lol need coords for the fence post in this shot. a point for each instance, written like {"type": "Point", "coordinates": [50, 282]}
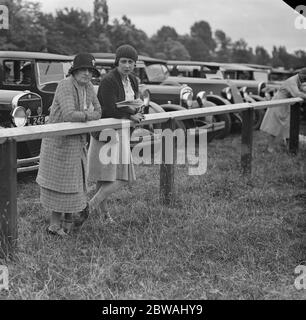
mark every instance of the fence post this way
{"type": "Point", "coordinates": [247, 141]}
{"type": "Point", "coordinates": [8, 198]}
{"type": "Point", "coordinates": [294, 128]}
{"type": "Point", "coordinates": [167, 170]}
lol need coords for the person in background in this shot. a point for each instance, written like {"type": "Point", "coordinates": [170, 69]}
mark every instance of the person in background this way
{"type": "Point", "coordinates": [118, 85]}
{"type": "Point", "coordinates": [276, 121]}
{"type": "Point", "coordinates": [62, 169]}
{"type": "Point", "coordinates": [26, 73]}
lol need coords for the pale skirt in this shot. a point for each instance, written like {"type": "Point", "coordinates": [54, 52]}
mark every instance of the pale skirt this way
{"type": "Point", "coordinates": [276, 121]}
{"type": "Point", "coordinates": [118, 154]}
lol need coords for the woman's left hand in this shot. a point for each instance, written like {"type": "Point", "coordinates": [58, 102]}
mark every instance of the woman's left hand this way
{"type": "Point", "coordinates": [138, 117]}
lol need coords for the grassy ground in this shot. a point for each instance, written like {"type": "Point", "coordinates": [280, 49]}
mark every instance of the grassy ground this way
{"type": "Point", "coordinates": [224, 237]}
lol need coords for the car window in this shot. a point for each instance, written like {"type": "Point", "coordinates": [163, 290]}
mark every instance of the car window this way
{"type": "Point", "coordinates": [261, 76]}
{"type": "Point", "coordinates": [17, 72]}
{"type": "Point", "coordinates": [52, 71]}
{"type": "Point", "coordinates": [157, 72]}
{"type": "Point", "coordinates": [229, 74]}
{"type": "Point", "coordinates": [278, 76]}
{"type": "Point", "coordinates": [244, 75]}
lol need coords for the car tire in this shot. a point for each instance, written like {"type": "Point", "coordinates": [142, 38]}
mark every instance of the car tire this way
{"type": "Point", "coordinates": [228, 125]}
{"type": "Point", "coordinates": [258, 116]}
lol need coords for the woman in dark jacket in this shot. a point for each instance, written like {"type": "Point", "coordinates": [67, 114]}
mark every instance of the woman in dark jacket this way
{"type": "Point", "coordinates": [118, 85]}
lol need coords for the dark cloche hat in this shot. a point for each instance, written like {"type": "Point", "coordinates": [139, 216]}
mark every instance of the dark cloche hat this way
{"type": "Point", "coordinates": [126, 51]}
{"type": "Point", "coordinates": [84, 60]}
{"type": "Point", "coordinates": [302, 75]}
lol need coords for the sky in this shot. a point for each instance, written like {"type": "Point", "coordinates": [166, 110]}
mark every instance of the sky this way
{"type": "Point", "coordinates": [258, 22]}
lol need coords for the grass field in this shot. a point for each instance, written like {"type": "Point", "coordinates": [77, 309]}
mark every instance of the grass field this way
{"type": "Point", "coordinates": [224, 237]}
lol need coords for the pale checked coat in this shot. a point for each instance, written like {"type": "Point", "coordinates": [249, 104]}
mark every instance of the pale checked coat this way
{"type": "Point", "coordinates": [62, 159]}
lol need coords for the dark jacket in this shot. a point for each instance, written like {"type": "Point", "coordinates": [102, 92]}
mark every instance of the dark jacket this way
{"type": "Point", "coordinates": [111, 91]}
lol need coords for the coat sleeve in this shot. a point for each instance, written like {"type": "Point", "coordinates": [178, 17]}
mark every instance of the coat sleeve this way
{"type": "Point", "coordinates": [96, 113]}
{"type": "Point", "coordinates": [293, 88]}
{"type": "Point", "coordinates": [66, 101]}
{"type": "Point", "coordinates": [108, 97]}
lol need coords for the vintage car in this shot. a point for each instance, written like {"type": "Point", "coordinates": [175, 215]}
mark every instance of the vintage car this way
{"type": "Point", "coordinates": [18, 109]}
{"type": "Point", "coordinates": [232, 77]}
{"type": "Point", "coordinates": [241, 75]}
{"type": "Point", "coordinates": [38, 72]}
{"type": "Point", "coordinates": [164, 98]}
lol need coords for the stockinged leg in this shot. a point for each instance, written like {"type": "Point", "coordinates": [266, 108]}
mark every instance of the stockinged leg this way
{"type": "Point", "coordinates": [247, 141]}
{"type": "Point", "coordinates": [8, 198]}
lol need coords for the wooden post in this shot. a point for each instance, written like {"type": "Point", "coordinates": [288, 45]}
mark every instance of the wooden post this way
{"type": "Point", "coordinates": [247, 141]}
{"type": "Point", "coordinates": [8, 198]}
{"type": "Point", "coordinates": [167, 170]}
{"type": "Point", "coordinates": [294, 128]}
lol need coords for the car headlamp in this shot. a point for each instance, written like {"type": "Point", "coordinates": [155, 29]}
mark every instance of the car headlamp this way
{"type": "Point", "coordinates": [227, 93]}
{"type": "Point", "coordinates": [261, 88]}
{"type": "Point", "coordinates": [243, 92]}
{"type": "Point", "coordinates": [186, 96]}
{"type": "Point", "coordinates": [146, 97]}
{"type": "Point", "coordinates": [19, 116]}
{"type": "Point", "coordinates": [201, 98]}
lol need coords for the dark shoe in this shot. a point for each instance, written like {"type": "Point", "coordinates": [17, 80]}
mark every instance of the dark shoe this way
{"type": "Point", "coordinates": [67, 226]}
{"type": "Point", "coordinates": [56, 230]}
{"type": "Point", "coordinates": [83, 216]}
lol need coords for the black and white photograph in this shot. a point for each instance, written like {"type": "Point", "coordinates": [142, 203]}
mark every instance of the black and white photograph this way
{"type": "Point", "coordinates": [152, 151]}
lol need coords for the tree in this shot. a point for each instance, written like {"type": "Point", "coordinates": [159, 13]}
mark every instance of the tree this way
{"type": "Point", "coordinates": [126, 33]}
{"type": "Point", "coordinates": [241, 52]}
{"type": "Point", "coordinates": [262, 56]}
{"type": "Point", "coordinates": [25, 32]}
{"type": "Point", "coordinates": [201, 30]}
{"type": "Point", "coordinates": [196, 47]}
{"type": "Point", "coordinates": [281, 58]}
{"type": "Point", "coordinates": [223, 46]}
{"type": "Point", "coordinates": [162, 35]}
{"type": "Point", "coordinates": [100, 16]}
{"type": "Point", "coordinates": [69, 31]}
{"type": "Point", "coordinates": [174, 50]}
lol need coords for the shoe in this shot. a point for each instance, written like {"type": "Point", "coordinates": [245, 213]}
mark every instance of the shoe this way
{"type": "Point", "coordinates": [67, 226]}
{"type": "Point", "coordinates": [56, 230]}
{"type": "Point", "coordinates": [83, 216]}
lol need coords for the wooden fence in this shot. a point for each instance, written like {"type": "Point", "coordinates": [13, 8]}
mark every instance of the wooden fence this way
{"type": "Point", "coordinates": [10, 136]}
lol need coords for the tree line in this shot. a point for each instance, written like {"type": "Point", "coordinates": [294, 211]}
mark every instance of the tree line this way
{"type": "Point", "coordinates": [71, 30]}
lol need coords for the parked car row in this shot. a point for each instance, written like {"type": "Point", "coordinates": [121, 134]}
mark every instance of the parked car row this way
{"type": "Point", "coordinates": [28, 81]}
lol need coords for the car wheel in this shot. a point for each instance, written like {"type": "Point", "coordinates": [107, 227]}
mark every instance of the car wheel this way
{"type": "Point", "coordinates": [257, 119]}
{"type": "Point", "coordinates": [221, 134]}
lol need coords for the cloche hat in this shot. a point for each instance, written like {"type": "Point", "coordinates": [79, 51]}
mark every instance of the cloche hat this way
{"type": "Point", "coordinates": [126, 51]}
{"type": "Point", "coordinates": [84, 60]}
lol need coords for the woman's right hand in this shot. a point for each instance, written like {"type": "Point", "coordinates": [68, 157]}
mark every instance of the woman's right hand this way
{"type": "Point", "coordinates": [138, 117]}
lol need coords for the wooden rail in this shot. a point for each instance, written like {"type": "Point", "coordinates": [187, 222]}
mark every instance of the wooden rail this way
{"type": "Point", "coordinates": [10, 136]}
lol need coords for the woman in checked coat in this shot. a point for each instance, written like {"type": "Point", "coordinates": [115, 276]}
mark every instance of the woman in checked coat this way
{"type": "Point", "coordinates": [62, 169]}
